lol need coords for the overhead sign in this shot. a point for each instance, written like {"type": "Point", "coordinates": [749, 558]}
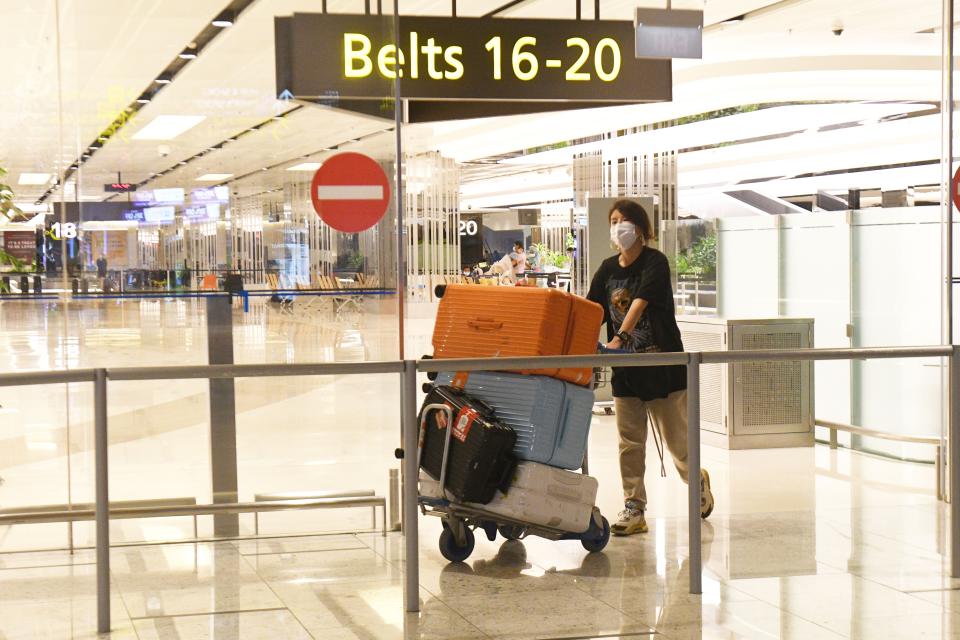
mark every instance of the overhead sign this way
{"type": "Point", "coordinates": [350, 192]}
{"type": "Point", "coordinates": [119, 187]}
{"type": "Point", "coordinates": [527, 65]}
{"type": "Point", "coordinates": [668, 33]}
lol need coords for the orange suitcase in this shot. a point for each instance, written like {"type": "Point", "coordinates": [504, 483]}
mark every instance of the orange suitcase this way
{"type": "Point", "coordinates": [485, 322]}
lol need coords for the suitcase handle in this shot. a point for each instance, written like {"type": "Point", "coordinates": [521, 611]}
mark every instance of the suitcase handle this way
{"type": "Point", "coordinates": [485, 324]}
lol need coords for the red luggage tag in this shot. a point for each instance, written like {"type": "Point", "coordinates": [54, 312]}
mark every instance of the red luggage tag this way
{"type": "Point", "coordinates": [464, 423]}
{"type": "Point", "coordinates": [442, 417]}
{"type": "Point", "coordinates": [460, 380]}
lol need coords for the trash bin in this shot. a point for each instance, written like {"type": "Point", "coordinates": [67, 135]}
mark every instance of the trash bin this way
{"type": "Point", "coordinates": [37, 284]}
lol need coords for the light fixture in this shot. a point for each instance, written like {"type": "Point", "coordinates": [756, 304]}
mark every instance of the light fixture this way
{"type": "Point", "coordinates": [143, 99]}
{"type": "Point", "coordinates": [214, 177]}
{"type": "Point", "coordinates": [163, 78]}
{"type": "Point", "coordinates": [305, 166]}
{"type": "Point", "coordinates": [190, 53]}
{"type": "Point", "coordinates": [34, 178]}
{"type": "Point", "coordinates": [223, 20]}
{"type": "Point", "coordinates": [167, 127]}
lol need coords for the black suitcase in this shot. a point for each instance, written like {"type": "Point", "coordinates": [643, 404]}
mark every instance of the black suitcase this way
{"type": "Point", "coordinates": [481, 457]}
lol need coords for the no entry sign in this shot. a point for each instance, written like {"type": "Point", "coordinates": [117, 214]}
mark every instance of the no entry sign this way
{"type": "Point", "coordinates": [350, 192]}
{"type": "Point", "coordinates": [955, 187]}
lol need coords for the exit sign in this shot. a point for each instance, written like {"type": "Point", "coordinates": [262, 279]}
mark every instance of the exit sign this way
{"type": "Point", "coordinates": [119, 187]}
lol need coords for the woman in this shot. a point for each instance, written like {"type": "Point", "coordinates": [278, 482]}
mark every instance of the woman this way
{"type": "Point", "coordinates": [635, 291]}
{"type": "Point", "coordinates": [519, 260]}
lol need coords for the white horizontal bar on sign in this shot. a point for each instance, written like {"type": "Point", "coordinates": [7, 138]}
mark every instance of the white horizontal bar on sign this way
{"type": "Point", "coordinates": [350, 192]}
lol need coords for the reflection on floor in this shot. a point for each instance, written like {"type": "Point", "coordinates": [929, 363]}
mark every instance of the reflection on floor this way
{"type": "Point", "coordinates": [804, 543]}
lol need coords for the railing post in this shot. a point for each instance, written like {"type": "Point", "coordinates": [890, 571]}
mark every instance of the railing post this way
{"type": "Point", "coordinates": [693, 473]}
{"type": "Point", "coordinates": [394, 483]}
{"type": "Point", "coordinates": [102, 504]}
{"type": "Point", "coordinates": [954, 444]}
{"type": "Point", "coordinates": [408, 407]}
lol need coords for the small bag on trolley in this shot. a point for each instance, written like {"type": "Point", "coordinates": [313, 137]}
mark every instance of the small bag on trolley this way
{"type": "Point", "coordinates": [480, 457]}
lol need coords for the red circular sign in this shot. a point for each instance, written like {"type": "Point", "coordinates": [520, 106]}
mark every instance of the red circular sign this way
{"type": "Point", "coordinates": [350, 192]}
{"type": "Point", "coordinates": [955, 186]}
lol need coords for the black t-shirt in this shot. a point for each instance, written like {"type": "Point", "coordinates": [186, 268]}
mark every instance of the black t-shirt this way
{"type": "Point", "coordinates": [614, 288]}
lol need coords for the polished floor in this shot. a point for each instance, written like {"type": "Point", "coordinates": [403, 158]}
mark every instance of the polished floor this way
{"type": "Point", "coordinates": [804, 543]}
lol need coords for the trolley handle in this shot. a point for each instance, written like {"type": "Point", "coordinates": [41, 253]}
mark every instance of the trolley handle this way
{"type": "Point", "coordinates": [446, 443]}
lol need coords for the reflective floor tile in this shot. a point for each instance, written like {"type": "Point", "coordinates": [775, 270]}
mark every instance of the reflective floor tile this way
{"type": "Point", "coordinates": [297, 544]}
{"type": "Point", "coordinates": [747, 620]}
{"type": "Point", "coordinates": [246, 625]}
{"type": "Point", "coordinates": [543, 614]}
{"type": "Point", "coordinates": [371, 609]}
{"type": "Point", "coordinates": [48, 583]}
{"type": "Point", "coordinates": [47, 559]}
{"type": "Point", "coordinates": [323, 566]}
{"type": "Point", "coordinates": [823, 599]}
{"type": "Point", "coordinates": [188, 579]}
{"type": "Point", "coordinates": [506, 572]}
{"type": "Point", "coordinates": [931, 626]}
{"type": "Point", "coordinates": [62, 619]}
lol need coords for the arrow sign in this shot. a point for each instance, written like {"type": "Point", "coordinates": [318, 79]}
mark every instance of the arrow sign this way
{"type": "Point", "coordinates": [286, 95]}
{"type": "Point", "coordinates": [350, 192]}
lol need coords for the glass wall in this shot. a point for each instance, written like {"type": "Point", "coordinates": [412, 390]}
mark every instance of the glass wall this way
{"type": "Point", "coordinates": [156, 162]}
{"type": "Point", "coordinates": [156, 166]}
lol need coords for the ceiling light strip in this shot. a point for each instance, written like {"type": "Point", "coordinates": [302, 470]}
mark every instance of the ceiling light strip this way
{"type": "Point", "coordinates": [205, 37]}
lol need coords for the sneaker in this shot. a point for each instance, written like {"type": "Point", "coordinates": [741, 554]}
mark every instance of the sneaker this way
{"type": "Point", "coordinates": [706, 495]}
{"type": "Point", "coordinates": [629, 522]}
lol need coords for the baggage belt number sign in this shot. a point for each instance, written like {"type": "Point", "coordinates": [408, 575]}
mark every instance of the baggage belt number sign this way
{"type": "Point", "coordinates": [337, 57]}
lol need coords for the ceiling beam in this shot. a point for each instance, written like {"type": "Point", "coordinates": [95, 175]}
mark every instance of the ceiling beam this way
{"type": "Point", "coordinates": [504, 7]}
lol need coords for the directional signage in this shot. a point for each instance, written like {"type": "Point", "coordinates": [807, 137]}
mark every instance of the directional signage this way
{"type": "Point", "coordinates": [350, 192]}
{"type": "Point", "coordinates": [119, 187]}
{"type": "Point", "coordinates": [486, 66]}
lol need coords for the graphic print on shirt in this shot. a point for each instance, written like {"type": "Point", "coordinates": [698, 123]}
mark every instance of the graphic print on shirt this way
{"type": "Point", "coordinates": [620, 297]}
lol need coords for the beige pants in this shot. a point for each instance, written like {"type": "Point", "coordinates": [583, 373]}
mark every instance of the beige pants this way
{"type": "Point", "coordinates": [669, 415]}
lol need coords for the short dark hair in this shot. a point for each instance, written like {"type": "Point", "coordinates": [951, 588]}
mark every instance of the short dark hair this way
{"type": "Point", "coordinates": [636, 214]}
{"type": "Point", "coordinates": [518, 244]}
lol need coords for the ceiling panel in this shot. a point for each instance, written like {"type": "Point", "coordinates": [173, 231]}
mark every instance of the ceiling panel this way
{"type": "Point", "coordinates": [110, 52]}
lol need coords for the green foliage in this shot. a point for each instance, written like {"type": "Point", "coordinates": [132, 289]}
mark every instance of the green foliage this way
{"type": "Point", "coordinates": [550, 258]}
{"type": "Point", "coordinates": [700, 259]}
{"type": "Point", "coordinates": [7, 208]}
{"type": "Point", "coordinates": [15, 262]}
{"type": "Point", "coordinates": [355, 261]}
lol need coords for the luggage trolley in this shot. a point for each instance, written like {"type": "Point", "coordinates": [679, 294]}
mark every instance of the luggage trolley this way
{"type": "Point", "coordinates": [459, 520]}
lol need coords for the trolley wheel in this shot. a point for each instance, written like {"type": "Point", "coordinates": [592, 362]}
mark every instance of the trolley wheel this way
{"type": "Point", "coordinates": [596, 539]}
{"type": "Point", "coordinates": [452, 551]}
{"type": "Point", "coordinates": [510, 531]}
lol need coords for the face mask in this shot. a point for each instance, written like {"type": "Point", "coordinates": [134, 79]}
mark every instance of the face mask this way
{"type": "Point", "coordinates": [623, 235]}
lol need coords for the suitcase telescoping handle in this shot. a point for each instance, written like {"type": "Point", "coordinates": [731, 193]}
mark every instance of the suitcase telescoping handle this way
{"type": "Point", "coordinates": [485, 324]}
{"type": "Point", "coordinates": [446, 442]}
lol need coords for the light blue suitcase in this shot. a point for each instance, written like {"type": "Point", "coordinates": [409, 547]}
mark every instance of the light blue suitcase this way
{"type": "Point", "coordinates": [551, 417]}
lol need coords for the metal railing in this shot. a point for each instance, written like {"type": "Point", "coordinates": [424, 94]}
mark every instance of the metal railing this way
{"type": "Point", "coordinates": [933, 441]}
{"type": "Point", "coordinates": [408, 371]}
